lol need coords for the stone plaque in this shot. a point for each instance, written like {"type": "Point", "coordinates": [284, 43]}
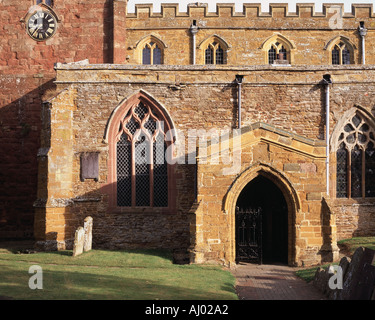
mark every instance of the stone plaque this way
{"type": "Point", "coordinates": [90, 166]}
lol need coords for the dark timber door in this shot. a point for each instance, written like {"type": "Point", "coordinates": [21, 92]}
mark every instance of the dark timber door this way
{"type": "Point", "coordinates": [262, 223]}
{"type": "Point", "coordinates": [249, 235]}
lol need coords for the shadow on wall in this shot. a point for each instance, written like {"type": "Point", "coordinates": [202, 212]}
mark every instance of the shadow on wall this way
{"type": "Point", "coordinates": [20, 125]}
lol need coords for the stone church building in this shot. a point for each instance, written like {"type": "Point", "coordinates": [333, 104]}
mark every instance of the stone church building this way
{"type": "Point", "coordinates": [224, 135]}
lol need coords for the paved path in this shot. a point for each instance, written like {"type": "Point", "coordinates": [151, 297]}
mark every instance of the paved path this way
{"type": "Point", "coordinates": [272, 282]}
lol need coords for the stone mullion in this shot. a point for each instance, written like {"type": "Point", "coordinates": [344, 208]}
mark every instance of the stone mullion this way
{"type": "Point", "coordinates": [363, 173]}
{"type": "Point", "coordinates": [151, 173]}
{"type": "Point", "coordinates": [133, 182]}
{"type": "Point", "coordinates": [151, 54]}
{"type": "Point", "coordinates": [349, 186]}
{"type": "Point", "coordinates": [340, 55]}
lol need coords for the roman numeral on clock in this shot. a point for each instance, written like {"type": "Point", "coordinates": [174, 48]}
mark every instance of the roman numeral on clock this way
{"type": "Point", "coordinates": [41, 26]}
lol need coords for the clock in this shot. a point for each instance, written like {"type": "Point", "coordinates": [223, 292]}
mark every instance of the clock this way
{"type": "Point", "coordinates": [41, 25]}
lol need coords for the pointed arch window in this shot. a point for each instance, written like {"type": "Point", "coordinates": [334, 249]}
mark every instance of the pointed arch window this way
{"type": "Point", "coordinates": [278, 49]}
{"type": "Point", "coordinates": [215, 53]}
{"type": "Point", "coordinates": [151, 53]}
{"type": "Point", "coordinates": [355, 158]}
{"type": "Point", "coordinates": [342, 53]}
{"type": "Point", "coordinates": [278, 54]}
{"type": "Point", "coordinates": [139, 157]}
{"type": "Point", "coordinates": [47, 2]}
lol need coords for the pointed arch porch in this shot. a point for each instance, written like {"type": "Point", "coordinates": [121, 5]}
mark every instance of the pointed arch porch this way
{"type": "Point", "coordinates": [288, 191]}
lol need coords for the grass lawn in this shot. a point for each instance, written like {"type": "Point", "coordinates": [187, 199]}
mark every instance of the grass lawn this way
{"type": "Point", "coordinates": [348, 246]}
{"type": "Point", "coordinates": [113, 275]}
{"type": "Point", "coordinates": [352, 244]}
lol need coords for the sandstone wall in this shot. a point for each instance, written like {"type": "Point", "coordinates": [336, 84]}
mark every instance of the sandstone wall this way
{"type": "Point", "coordinates": [308, 32]}
{"type": "Point", "coordinates": [290, 115]}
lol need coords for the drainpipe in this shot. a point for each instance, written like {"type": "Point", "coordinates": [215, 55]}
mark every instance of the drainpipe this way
{"type": "Point", "coordinates": [362, 32]}
{"type": "Point", "coordinates": [239, 83]}
{"type": "Point", "coordinates": [193, 31]}
{"type": "Point", "coordinates": [327, 81]}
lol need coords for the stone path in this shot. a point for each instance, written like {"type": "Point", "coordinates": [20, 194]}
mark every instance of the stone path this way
{"type": "Point", "coordinates": [272, 282]}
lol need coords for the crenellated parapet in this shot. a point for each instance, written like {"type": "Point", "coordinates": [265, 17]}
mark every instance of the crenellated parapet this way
{"type": "Point", "coordinates": [252, 37]}
{"type": "Point", "coordinates": [276, 10]}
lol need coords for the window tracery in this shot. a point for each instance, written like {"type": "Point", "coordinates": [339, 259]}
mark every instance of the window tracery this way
{"type": "Point", "coordinates": [341, 54]}
{"type": "Point", "coordinates": [142, 169]}
{"type": "Point", "coordinates": [151, 53]}
{"type": "Point", "coordinates": [215, 54]}
{"type": "Point", "coordinates": [277, 52]}
{"type": "Point", "coordinates": [355, 156]}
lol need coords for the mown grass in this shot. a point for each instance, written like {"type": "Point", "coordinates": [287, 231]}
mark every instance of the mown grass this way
{"type": "Point", "coordinates": [113, 275]}
{"type": "Point", "coordinates": [352, 244]}
{"type": "Point", "coordinates": [348, 246]}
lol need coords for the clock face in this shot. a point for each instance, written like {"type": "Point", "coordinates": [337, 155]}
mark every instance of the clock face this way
{"type": "Point", "coordinates": [41, 25]}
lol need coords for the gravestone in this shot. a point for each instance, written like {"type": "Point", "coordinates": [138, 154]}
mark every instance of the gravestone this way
{"type": "Point", "coordinates": [365, 277]}
{"type": "Point", "coordinates": [336, 293]}
{"type": "Point", "coordinates": [78, 241]}
{"type": "Point", "coordinates": [87, 226]}
{"type": "Point", "coordinates": [358, 277]}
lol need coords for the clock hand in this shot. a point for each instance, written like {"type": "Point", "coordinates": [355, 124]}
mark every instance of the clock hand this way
{"type": "Point", "coordinates": [36, 30]}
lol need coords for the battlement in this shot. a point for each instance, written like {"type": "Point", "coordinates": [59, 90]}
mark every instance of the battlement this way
{"type": "Point", "coordinates": [276, 10]}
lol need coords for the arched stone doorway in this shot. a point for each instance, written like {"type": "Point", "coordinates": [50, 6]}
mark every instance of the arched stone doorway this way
{"type": "Point", "coordinates": [278, 181]}
{"type": "Point", "coordinates": [269, 232]}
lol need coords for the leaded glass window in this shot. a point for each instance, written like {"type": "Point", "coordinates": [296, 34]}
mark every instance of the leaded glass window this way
{"type": "Point", "coordinates": [271, 55]}
{"type": "Point", "coordinates": [141, 167]}
{"type": "Point", "coordinates": [355, 157]}
{"type": "Point", "coordinates": [215, 53]}
{"type": "Point", "coordinates": [152, 54]}
{"type": "Point", "coordinates": [341, 172]}
{"type": "Point", "coordinates": [341, 54]}
{"type": "Point", "coordinates": [219, 55]}
{"type": "Point", "coordinates": [278, 53]}
{"type": "Point", "coordinates": [146, 55]}
{"type": "Point", "coordinates": [282, 53]}
{"type": "Point", "coordinates": [209, 56]}
{"type": "Point", "coordinates": [335, 55]}
{"type": "Point", "coordinates": [345, 56]}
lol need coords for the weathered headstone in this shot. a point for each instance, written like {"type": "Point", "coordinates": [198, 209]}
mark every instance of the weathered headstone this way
{"type": "Point", "coordinates": [78, 241]}
{"type": "Point", "coordinates": [321, 279]}
{"type": "Point", "coordinates": [365, 277]}
{"type": "Point", "coordinates": [344, 265]}
{"type": "Point", "coordinates": [358, 277]}
{"type": "Point", "coordinates": [87, 226]}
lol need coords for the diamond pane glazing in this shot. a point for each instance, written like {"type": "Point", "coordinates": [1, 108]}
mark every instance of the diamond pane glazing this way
{"type": "Point", "coordinates": [124, 190]}
{"type": "Point", "coordinates": [370, 171]}
{"type": "Point", "coordinates": [356, 168]}
{"type": "Point", "coordinates": [341, 172]}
